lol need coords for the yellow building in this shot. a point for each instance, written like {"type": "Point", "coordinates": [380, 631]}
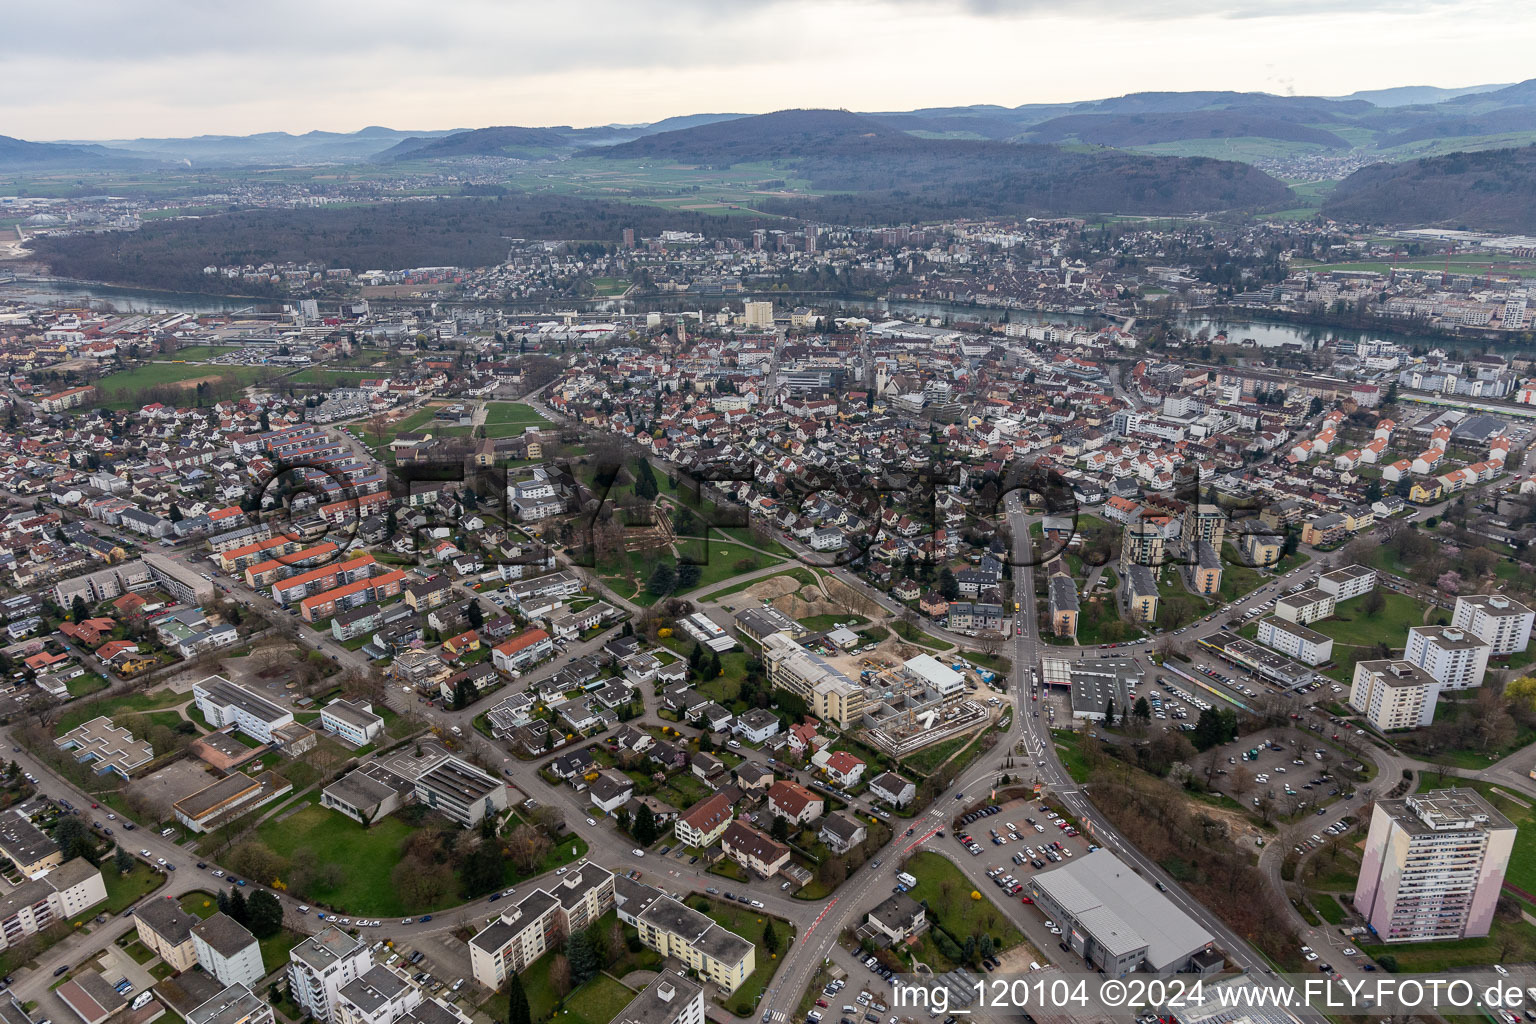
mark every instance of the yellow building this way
{"type": "Point", "coordinates": [710, 950]}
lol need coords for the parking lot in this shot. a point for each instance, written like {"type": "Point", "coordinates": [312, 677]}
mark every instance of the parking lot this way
{"type": "Point", "coordinates": [1293, 772]}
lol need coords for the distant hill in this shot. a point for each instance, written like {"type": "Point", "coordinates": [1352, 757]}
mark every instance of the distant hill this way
{"type": "Point", "coordinates": [890, 170]}
{"type": "Point", "coordinates": [1493, 189]}
{"type": "Point", "coordinates": [1412, 95]}
{"type": "Point", "coordinates": [1125, 131]}
{"type": "Point", "coordinates": [525, 143]}
{"type": "Point", "coordinates": [269, 147]}
{"type": "Point", "coordinates": [20, 155]}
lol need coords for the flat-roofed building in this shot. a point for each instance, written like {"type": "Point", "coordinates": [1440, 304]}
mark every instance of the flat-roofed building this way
{"type": "Point", "coordinates": [1433, 866]}
{"type": "Point", "coordinates": [459, 790]}
{"type": "Point", "coordinates": [353, 721]}
{"type": "Point", "coordinates": [1394, 694]}
{"type": "Point", "coordinates": [708, 949]}
{"type": "Point", "coordinates": [1349, 582]}
{"type": "Point", "coordinates": [71, 888]}
{"type": "Point", "coordinates": [1457, 658]}
{"type": "Point", "coordinates": [227, 950]}
{"type": "Point", "coordinates": [670, 998]}
{"type": "Point", "coordinates": [368, 793]}
{"type": "Point", "coordinates": [28, 846]}
{"type": "Point", "coordinates": [539, 922]}
{"type": "Point", "coordinates": [225, 703]}
{"type": "Point", "coordinates": [828, 693]}
{"type": "Point", "coordinates": [1305, 607]}
{"type": "Point", "coordinates": [1116, 920]}
{"type": "Point", "coordinates": [320, 966]}
{"type": "Point", "coordinates": [1295, 640]}
{"type": "Point", "coordinates": [229, 797]}
{"type": "Point", "coordinates": [1501, 622]}
{"type": "Point", "coordinates": [235, 1005]}
{"type": "Point", "coordinates": [106, 747]}
{"type": "Point", "coordinates": [756, 624]}
{"type": "Point", "coordinates": [166, 930]}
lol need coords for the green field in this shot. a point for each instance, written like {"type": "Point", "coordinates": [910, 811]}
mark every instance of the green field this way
{"type": "Point", "coordinates": [125, 890]}
{"type": "Point", "coordinates": [499, 414]}
{"type": "Point", "coordinates": [367, 855]}
{"type": "Point", "coordinates": [126, 390]}
{"type": "Point", "coordinates": [610, 286]}
{"type": "Point", "coordinates": [1355, 634]}
{"type": "Point", "coordinates": [333, 378]}
{"type": "Point", "coordinates": [197, 352]}
{"type": "Point", "coordinates": [947, 893]}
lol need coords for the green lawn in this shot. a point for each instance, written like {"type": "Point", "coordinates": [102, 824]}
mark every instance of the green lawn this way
{"type": "Point", "coordinates": [511, 415]}
{"type": "Point", "coordinates": [1350, 625]}
{"type": "Point", "coordinates": [597, 1002]}
{"type": "Point", "coordinates": [366, 855]}
{"type": "Point", "coordinates": [748, 923]}
{"type": "Point", "coordinates": [333, 378]}
{"type": "Point", "coordinates": [126, 390]}
{"type": "Point", "coordinates": [125, 890]}
{"type": "Point", "coordinates": [200, 904]}
{"type": "Point", "coordinates": [274, 950]}
{"type": "Point", "coordinates": [948, 895]}
{"type": "Point", "coordinates": [822, 623]}
{"type": "Point", "coordinates": [1329, 909]}
{"type": "Point", "coordinates": [196, 352]}
{"type": "Point", "coordinates": [123, 704]}
{"type": "Point", "coordinates": [84, 686]}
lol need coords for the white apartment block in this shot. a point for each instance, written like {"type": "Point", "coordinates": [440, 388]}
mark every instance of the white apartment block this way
{"type": "Point", "coordinates": [1295, 640]}
{"type": "Point", "coordinates": [670, 998]}
{"type": "Point", "coordinates": [352, 721]}
{"type": "Point", "coordinates": [380, 996]}
{"type": "Point", "coordinates": [1433, 866]}
{"type": "Point", "coordinates": [539, 922]}
{"type": "Point", "coordinates": [228, 951]}
{"type": "Point", "coordinates": [1394, 694]}
{"type": "Point", "coordinates": [1502, 622]}
{"type": "Point", "coordinates": [1455, 657]}
{"type": "Point", "coordinates": [321, 966]}
{"type": "Point", "coordinates": [224, 703]}
{"type": "Point", "coordinates": [1307, 606]}
{"type": "Point", "coordinates": [34, 905]}
{"type": "Point", "coordinates": [1348, 582]}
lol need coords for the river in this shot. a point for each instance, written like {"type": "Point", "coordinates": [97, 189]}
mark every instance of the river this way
{"type": "Point", "coordinates": [123, 300]}
{"type": "Point", "coordinates": [1265, 333]}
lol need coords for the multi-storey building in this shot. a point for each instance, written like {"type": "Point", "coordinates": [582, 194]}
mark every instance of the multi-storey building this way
{"type": "Point", "coordinates": [1455, 657]}
{"type": "Point", "coordinates": [461, 791]}
{"type": "Point", "coordinates": [708, 949]}
{"type": "Point", "coordinates": [235, 1005]}
{"type": "Point", "coordinates": [166, 930]}
{"type": "Point", "coordinates": [1297, 641]}
{"type": "Point", "coordinates": [1348, 582]}
{"type": "Point", "coordinates": [670, 998]}
{"type": "Point", "coordinates": [1203, 522]}
{"type": "Point", "coordinates": [225, 703]}
{"type": "Point", "coordinates": [1394, 694]}
{"type": "Point", "coordinates": [828, 693]}
{"type": "Point", "coordinates": [702, 824]}
{"type": "Point", "coordinates": [1501, 622]}
{"type": "Point", "coordinates": [321, 966]}
{"type": "Point", "coordinates": [378, 996]}
{"type": "Point", "coordinates": [354, 722]}
{"type": "Point", "coordinates": [1433, 866]}
{"type": "Point", "coordinates": [1307, 606]}
{"type": "Point", "coordinates": [538, 923]}
{"type": "Point", "coordinates": [1141, 544]}
{"type": "Point", "coordinates": [228, 951]}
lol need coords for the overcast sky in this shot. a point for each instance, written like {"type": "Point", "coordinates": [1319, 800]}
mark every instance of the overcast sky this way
{"type": "Point", "coordinates": [82, 69]}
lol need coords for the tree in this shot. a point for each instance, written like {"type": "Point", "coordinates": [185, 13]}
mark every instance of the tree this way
{"type": "Point", "coordinates": [1142, 710]}
{"type": "Point", "coordinates": [481, 871]}
{"type": "Point", "coordinates": [622, 820]}
{"type": "Point", "coordinates": [770, 937]}
{"type": "Point", "coordinates": [663, 580]}
{"type": "Point", "coordinates": [517, 1001]}
{"type": "Point", "coordinates": [238, 908]}
{"type": "Point", "coordinates": [780, 828]}
{"type": "Point", "coordinates": [1373, 603]}
{"type": "Point", "coordinates": [560, 975]}
{"type": "Point", "coordinates": [74, 838]}
{"type": "Point", "coordinates": [645, 825]}
{"type": "Point", "coordinates": [527, 846]}
{"type": "Point", "coordinates": [463, 694]}
{"type": "Point", "coordinates": [122, 860]}
{"type": "Point", "coordinates": [1109, 712]}
{"type": "Point", "coordinates": [265, 913]}
{"type": "Point", "coordinates": [77, 609]}
{"type": "Point", "coordinates": [475, 614]}
{"type": "Point", "coordinates": [949, 587]}
{"type": "Point", "coordinates": [583, 958]}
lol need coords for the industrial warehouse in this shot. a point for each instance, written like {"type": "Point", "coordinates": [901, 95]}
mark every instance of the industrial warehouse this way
{"type": "Point", "coordinates": [1117, 921]}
